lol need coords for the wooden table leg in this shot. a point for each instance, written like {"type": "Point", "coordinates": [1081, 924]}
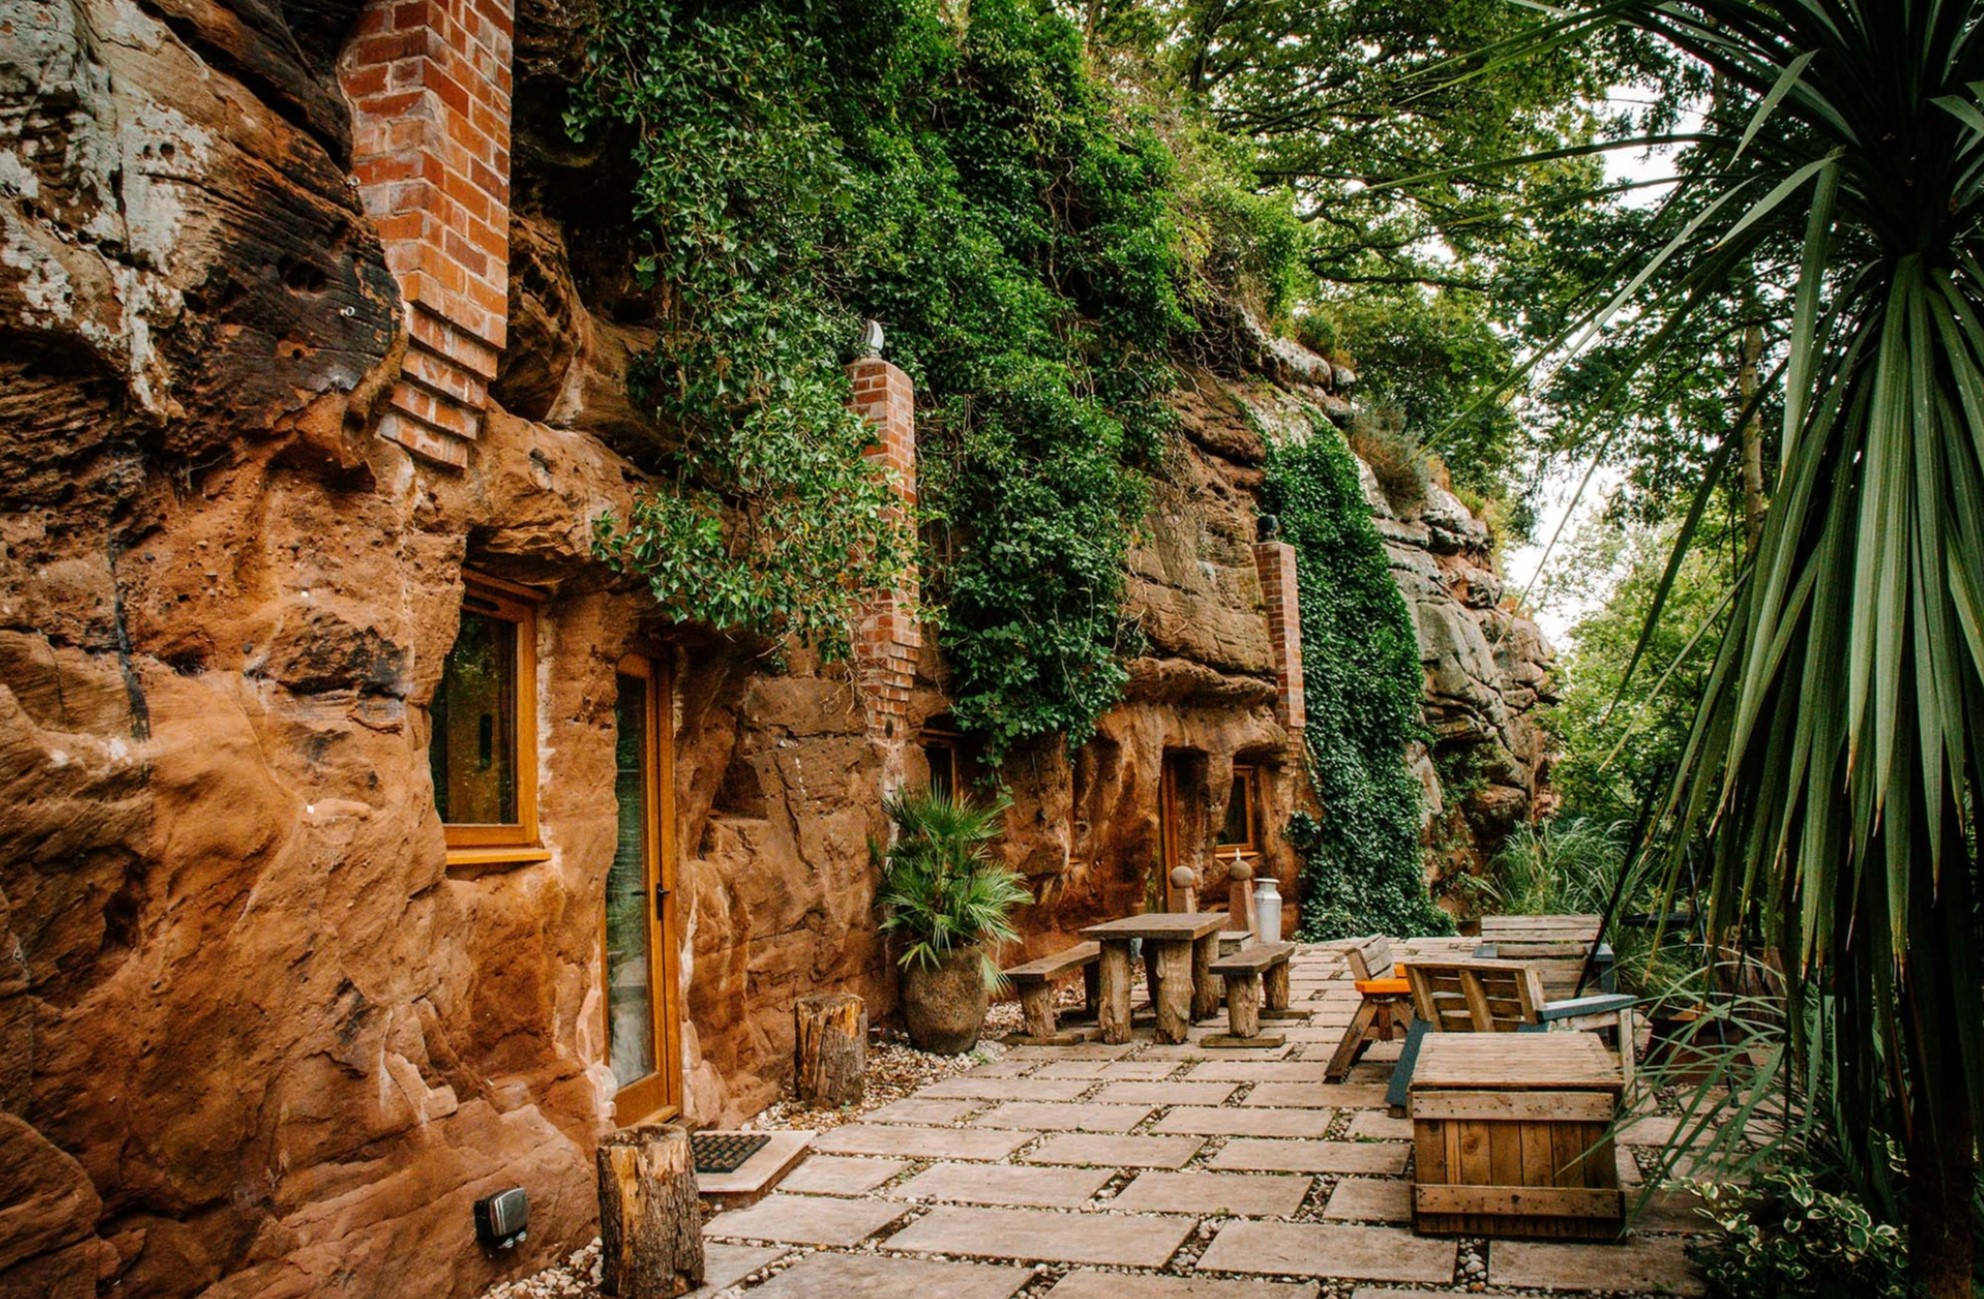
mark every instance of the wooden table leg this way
{"type": "Point", "coordinates": [1205, 987]}
{"type": "Point", "coordinates": [1113, 1014]}
{"type": "Point", "coordinates": [1173, 997]}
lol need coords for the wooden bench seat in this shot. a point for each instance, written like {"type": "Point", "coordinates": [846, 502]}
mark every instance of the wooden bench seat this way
{"type": "Point", "coordinates": [1035, 981]}
{"type": "Point", "coordinates": [1384, 1013]}
{"type": "Point", "coordinates": [1253, 975]}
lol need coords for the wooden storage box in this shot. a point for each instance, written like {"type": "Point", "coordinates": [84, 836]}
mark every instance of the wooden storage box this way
{"type": "Point", "coordinates": [1511, 1137]}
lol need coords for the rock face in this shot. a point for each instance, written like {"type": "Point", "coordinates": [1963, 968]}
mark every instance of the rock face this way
{"type": "Point", "coordinates": [258, 1037]}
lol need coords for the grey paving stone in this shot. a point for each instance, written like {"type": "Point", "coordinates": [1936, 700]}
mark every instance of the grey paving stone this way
{"type": "Point", "coordinates": [1079, 1051]}
{"type": "Point", "coordinates": [890, 1139]}
{"type": "Point", "coordinates": [1668, 1209]}
{"type": "Point", "coordinates": [1168, 1092]}
{"type": "Point", "coordinates": [1241, 1194]}
{"type": "Point", "coordinates": [1371, 1199]}
{"type": "Point", "coordinates": [1657, 1265]}
{"type": "Point", "coordinates": [1194, 1053]}
{"type": "Point", "coordinates": [1084, 1284]}
{"type": "Point", "coordinates": [1255, 1154]}
{"type": "Point", "coordinates": [1112, 1070]}
{"type": "Point", "coordinates": [1038, 1088]}
{"type": "Point", "coordinates": [1243, 1121]}
{"type": "Point", "coordinates": [1305, 1249]}
{"type": "Point", "coordinates": [1046, 1116]}
{"type": "Point", "coordinates": [1350, 1096]}
{"type": "Point", "coordinates": [1043, 1235]}
{"type": "Point", "coordinates": [1010, 1184]}
{"type": "Point", "coordinates": [917, 1109]}
{"type": "Point", "coordinates": [836, 1175]}
{"type": "Point", "coordinates": [1000, 1068]}
{"type": "Point", "coordinates": [725, 1265]}
{"type": "Point", "coordinates": [1255, 1071]}
{"type": "Point", "coordinates": [1376, 1125]}
{"type": "Point", "coordinates": [805, 1220]}
{"type": "Point", "coordinates": [877, 1276]}
{"type": "Point", "coordinates": [1115, 1151]}
{"type": "Point", "coordinates": [1653, 1130]}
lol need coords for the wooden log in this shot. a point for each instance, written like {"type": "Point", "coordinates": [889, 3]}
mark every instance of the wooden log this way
{"type": "Point", "coordinates": [830, 1049]}
{"type": "Point", "coordinates": [1113, 1016]}
{"type": "Point", "coordinates": [1205, 988]}
{"type": "Point", "coordinates": [650, 1223]}
{"type": "Point", "coordinates": [1037, 1005]}
{"type": "Point", "coordinates": [1173, 995]}
{"type": "Point", "coordinates": [1277, 986]}
{"type": "Point", "coordinates": [1243, 1004]}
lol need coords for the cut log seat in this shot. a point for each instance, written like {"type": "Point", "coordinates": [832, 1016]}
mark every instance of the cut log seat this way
{"type": "Point", "coordinates": [1253, 975]}
{"type": "Point", "coordinates": [1035, 981]}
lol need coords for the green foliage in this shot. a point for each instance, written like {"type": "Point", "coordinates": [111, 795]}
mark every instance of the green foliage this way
{"type": "Point", "coordinates": [1783, 1237]}
{"type": "Point", "coordinates": [940, 890]}
{"type": "Point", "coordinates": [1361, 869]}
{"type": "Point", "coordinates": [1565, 866]}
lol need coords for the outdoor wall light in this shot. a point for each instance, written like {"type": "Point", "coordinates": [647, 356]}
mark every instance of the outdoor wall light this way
{"type": "Point", "coordinates": [500, 1219]}
{"type": "Point", "coordinates": [1268, 527]}
{"type": "Point", "coordinates": [871, 337]}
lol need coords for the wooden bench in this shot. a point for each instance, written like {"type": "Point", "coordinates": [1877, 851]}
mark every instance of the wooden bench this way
{"type": "Point", "coordinates": [1254, 975]}
{"type": "Point", "coordinates": [1385, 1011]}
{"type": "Point", "coordinates": [1035, 981]}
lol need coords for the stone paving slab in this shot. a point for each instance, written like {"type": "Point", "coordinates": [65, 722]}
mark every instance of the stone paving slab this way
{"type": "Point", "coordinates": [1375, 1125]}
{"type": "Point", "coordinates": [1194, 1053]}
{"type": "Point", "coordinates": [725, 1265]}
{"type": "Point", "coordinates": [1043, 1235]}
{"type": "Point", "coordinates": [1116, 1151]}
{"type": "Point", "coordinates": [1242, 1194]}
{"type": "Point", "coordinates": [1112, 1070]}
{"type": "Point", "coordinates": [876, 1276]}
{"type": "Point", "coordinates": [1274, 1156]}
{"type": "Point", "coordinates": [1242, 1121]}
{"type": "Point", "coordinates": [1654, 1130]}
{"type": "Point", "coordinates": [1046, 1116]}
{"type": "Point", "coordinates": [1350, 1096]}
{"type": "Point", "coordinates": [1305, 1249]}
{"type": "Point", "coordinates": [1000, 1068]}
{"type": "Point", "coordinates": [1084, 1284]}
{"type": "Point", "coordinates": [1079, 1051]}
{"type": "Point", "coordinates": [920, 1143]}
{"type": "Point", "coordinates": [837, 1175]}
{"type": "Point", "coordinates": [1658, 1265]}
{"type": "Point", "coordinates": [1256, 1071]}
{"type": "Point", "coordinates": [1167, 1093]}
{"type": "Point", "coordinates": [1371, 1199]}
{"type": "Point", "coordinates": [933, 1112]}
{"type": "Point", "coordinates": [965, 1087]}
{"type": "Point", "coordinates": [1668, 1210]}
{"type": "Point", "coordinates": [805, 1220]}
{"type": "Point", "coordinates": [1009, 1184]}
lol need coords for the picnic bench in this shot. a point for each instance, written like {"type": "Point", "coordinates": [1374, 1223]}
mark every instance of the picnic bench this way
{"type": "Point", "coordinates": [1035, 981]}
{"type": "Point", "coordinates": [1254, 975]}
{"type": "Point", "coordinates": [1181, 947]}
{"type": "Point", "coordinates": [1512, 1136]}
{"type": "Point", "coordinates": [1385, 1011]}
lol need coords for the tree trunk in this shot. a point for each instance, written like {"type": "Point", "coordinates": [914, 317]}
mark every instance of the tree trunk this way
{"type": "Point", "coordinates": [650, 1223]}
{"type": "Point", "coordinates": [829, 1049]}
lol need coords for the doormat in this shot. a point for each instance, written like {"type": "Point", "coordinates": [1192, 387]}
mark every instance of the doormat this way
{"type": "Point", "coordinates": [725, 1152]}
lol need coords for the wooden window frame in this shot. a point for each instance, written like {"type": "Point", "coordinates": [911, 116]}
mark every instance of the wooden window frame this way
{"type": "Point", "coordinates": [659, 1095]}
{"type": "Point", "coordinates": [482, 844]}
{"type": "Point", "coordinates": [1248, 777]}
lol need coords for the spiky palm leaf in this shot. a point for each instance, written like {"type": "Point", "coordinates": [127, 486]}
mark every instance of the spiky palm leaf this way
{"type": "Point", "coordinates": [1834, 764]}
{"type": "Point", "coordinates": [941, 891]}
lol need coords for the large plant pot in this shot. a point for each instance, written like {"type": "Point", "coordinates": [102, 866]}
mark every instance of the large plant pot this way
{"type": "Point", "coordinates": [944, 1006]}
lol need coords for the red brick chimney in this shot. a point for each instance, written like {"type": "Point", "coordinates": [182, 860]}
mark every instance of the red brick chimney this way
{"type": "Point", "coordinates": [887, 638]}
{"type": "Point", "coordinates": [429, 84]}
{"type": "Point", "coordinates": [1276, 562]}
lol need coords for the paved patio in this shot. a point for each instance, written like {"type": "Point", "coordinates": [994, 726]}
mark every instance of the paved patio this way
{"type": "Point", "coordinates": [1145, 1171]}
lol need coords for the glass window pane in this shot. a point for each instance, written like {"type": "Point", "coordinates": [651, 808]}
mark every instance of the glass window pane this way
{"type": "Point", "coordinates": [943, 769]}
{"type": "Point", "coordinates": [473, 752]}
{"type": "Point", "coordinates": [1238, 832]}
{"type": "Point", "coordinates": [629, 934]}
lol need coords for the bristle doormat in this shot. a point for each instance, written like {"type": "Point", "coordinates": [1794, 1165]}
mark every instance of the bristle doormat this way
{"type": "Point", "coordinates": [725, 1152]}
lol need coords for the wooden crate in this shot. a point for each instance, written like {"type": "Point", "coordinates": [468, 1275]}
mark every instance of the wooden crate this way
{"type": "Point", "coordinates": [1510, 1134]}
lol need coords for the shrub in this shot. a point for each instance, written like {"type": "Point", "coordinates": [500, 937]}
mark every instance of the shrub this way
{"type": "Point", "coordinates": [940, 890]}
{"type": "Point", "coordinates": [1381, 440]}
{"type": "Point", "coordinates": [1783, 1237]}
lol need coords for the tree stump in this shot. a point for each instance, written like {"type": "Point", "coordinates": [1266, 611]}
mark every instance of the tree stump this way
{"type": "Point", "coordinates": [650, 1223]}
{"type": "Point", "coordinates": [829, 1049]}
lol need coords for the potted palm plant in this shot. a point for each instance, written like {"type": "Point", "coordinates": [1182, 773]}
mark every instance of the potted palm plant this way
{"type": "Point", "coordinates": [945, 901]}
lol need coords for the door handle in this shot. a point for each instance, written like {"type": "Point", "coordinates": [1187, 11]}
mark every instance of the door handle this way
{"type": "Point", "coordinates": [661, 893]}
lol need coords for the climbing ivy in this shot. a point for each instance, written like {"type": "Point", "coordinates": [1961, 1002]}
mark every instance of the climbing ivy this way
{"type": "Point", "coordinates": [1361, 870]}
{"type": "Point", "coordinates": [974, 184]}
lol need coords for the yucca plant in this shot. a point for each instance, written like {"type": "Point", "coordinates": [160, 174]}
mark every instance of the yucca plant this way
{"type": "Point", "coordinates": [941, 891]}
{"type": "Point", "coordinates": [1832, 771]}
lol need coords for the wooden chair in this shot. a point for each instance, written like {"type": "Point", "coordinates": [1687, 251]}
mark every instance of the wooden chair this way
{"type": "Point", "coordinates": [1502, 997]}
{"type": "Point", "coordinates": [1558, 946]}
{"type": "Point", "coordinates": [1035, 980]}
{"type": "Point", "coordinates": [1385, 1012]}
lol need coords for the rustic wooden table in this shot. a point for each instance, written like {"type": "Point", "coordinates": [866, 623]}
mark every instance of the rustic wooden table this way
{"type": "Point", "coordinates": [1183, 989]}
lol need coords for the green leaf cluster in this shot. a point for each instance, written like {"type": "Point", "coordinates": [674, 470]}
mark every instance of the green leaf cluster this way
{"type": "Point", "coordinates": [1785, 1236]}
{"type": "Point", "coordinates": [1361, 869]}
{"type": "Point", "coordinates": [941, 891]}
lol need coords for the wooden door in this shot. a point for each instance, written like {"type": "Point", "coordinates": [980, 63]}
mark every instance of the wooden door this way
{"type": "Point", "coordinates": [642, 939]}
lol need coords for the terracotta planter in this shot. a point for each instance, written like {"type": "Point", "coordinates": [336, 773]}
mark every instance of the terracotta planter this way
{"type": "Point", "coordinates": [944, 1006]}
